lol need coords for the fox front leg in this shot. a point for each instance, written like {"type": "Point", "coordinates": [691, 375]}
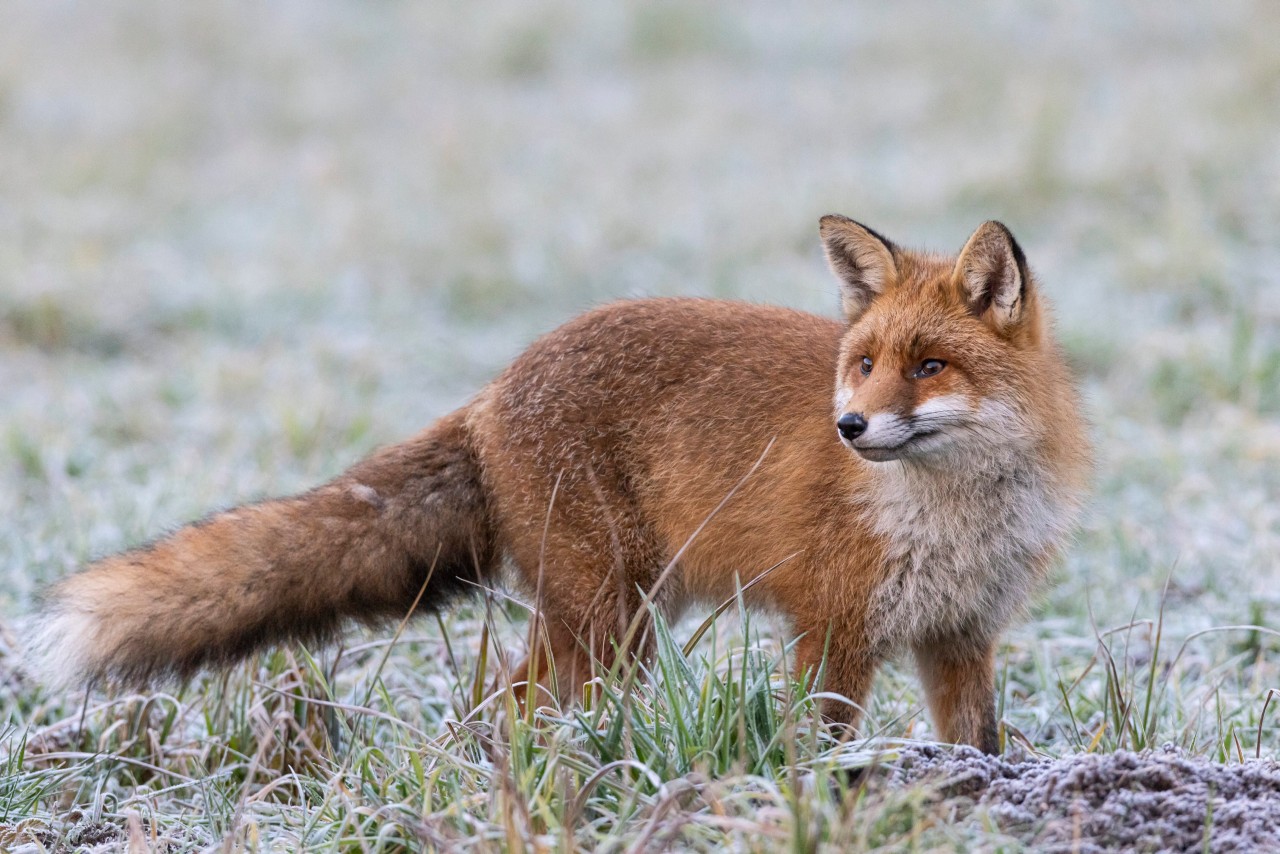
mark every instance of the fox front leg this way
{"type": "Point", "coordinates": [958, 675]}
{"type": "Point", "coordinates": [847, 671]}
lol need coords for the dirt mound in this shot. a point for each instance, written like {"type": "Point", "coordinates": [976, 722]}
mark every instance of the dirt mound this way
{"type": "Point", "coordinates": [1157, 800]}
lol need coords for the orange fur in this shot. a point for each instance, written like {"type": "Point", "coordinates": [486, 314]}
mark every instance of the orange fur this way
{"type": "Point", "coordinates": [589, 464]}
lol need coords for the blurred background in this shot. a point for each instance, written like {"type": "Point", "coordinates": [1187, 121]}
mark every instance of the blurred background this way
{"type": "Point", "coordinates": [242, 244]}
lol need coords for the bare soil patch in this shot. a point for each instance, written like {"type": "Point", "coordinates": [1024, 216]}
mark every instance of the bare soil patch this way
{"type": "Point", "coordinates": [1156, 800]}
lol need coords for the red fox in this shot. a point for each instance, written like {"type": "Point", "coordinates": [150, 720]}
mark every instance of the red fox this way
{"type": "Point", "coordinates": [913, 470]}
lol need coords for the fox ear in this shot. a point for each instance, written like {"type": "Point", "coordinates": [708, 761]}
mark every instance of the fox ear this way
{"type": "Point", "coordinates": [861, 259]}
{"type": "Point", "coordinates": [992, 275]}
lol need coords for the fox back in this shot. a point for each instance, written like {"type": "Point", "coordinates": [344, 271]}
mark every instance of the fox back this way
{"type": "Point", "coordinates": [900, 481]}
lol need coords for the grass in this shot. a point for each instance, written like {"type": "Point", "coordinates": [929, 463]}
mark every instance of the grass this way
{"type": "Point", "coordinates": [711, 746]}
{"type": "Point", "coordinates": [240, 249]}
{"type": "Point", "coordinates": [288, 747]}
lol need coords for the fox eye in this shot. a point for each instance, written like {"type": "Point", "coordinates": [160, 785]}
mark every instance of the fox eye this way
{"type": "Point", "coordinates": [930, 368]}
{"type": "Point", "coordinates": [866, 366]}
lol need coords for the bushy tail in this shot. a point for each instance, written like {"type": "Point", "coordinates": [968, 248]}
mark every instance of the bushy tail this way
{"type": "Point", "coordinates": [358, 548]}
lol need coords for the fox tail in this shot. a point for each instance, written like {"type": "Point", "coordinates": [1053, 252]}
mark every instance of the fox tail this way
{"type": "Point", "coordinates": [413, 520]}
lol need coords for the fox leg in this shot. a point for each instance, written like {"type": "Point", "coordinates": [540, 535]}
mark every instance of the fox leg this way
{"type": "Point", "coordinates": [958, 675]}
{"type": "Point", "coordinates": [556, 666]}
{"type": "Point", "coordinates": [567, 648]}
{"type": "Point", "coordinates": [849, 671]}
{"type": "Point", "coordinates": [585, 609]}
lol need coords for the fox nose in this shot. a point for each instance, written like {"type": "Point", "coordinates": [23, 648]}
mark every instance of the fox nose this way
{"type": "Point", "coordinates": [851, 425]}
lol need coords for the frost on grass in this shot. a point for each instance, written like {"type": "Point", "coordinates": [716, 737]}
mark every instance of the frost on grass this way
{"type": "Point", "coordinates": [1155, 800]}
{"type": "Point", "coordinates": [238, 250]}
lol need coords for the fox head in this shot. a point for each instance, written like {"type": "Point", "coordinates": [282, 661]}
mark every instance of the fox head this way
{"type": "Point", "coordinates": [943, 356]}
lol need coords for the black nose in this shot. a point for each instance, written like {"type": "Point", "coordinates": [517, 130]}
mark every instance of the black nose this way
{"type": "Point", "coordinates": [851, 425]}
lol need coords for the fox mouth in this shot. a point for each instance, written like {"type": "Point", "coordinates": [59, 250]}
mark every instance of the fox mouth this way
{"type": "Point", "coordinates": [886, 453]}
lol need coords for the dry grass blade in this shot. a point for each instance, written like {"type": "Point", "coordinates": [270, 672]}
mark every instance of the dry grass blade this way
{"type": "Point", "coordinates": [725, 605]}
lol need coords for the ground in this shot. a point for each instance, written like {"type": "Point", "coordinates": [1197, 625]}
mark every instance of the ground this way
{"type": "Point", "coordinates": [241, 246]}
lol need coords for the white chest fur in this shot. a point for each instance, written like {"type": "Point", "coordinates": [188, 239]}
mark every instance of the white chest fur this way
{"type": "Point", "coordinates": [966, 550]}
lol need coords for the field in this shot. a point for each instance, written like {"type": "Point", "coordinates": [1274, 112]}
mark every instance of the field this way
{"type": "Point", "coordinates": [241, 246]}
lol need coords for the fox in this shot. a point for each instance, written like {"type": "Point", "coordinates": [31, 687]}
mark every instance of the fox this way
{"type": "Point", "coordinates": [897, 482]}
